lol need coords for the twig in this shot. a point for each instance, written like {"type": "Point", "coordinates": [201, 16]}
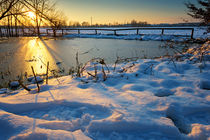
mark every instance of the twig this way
{"type": "Point", "coordinates": [50, 71]}
{"type": "Point", "coordinates": [35, 78]}
{"type": "Point", "coordinates": [91, 75]}
{"type": "Point", "coordinates": [172, 59]}
{"type": "Point", "coordinates": [20, 82]}
{"type": "Point", "coordinates": [47, 72]}
{"type": "Point", "coordinates": [115, 64]}
{"type": "Point", "coordinates": [78, 65]}
{"type": "Point", "coordinates": [103, 63]}
{"type": "Point", "coordinates": [104, 74]}
{"type": "Point", "coordinates": [150, 66]}
{"type": "Point", "coordinates": [95, 67]}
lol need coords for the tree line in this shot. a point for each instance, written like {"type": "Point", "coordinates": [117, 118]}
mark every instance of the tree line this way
{"type": "Point", "coordinates": [129, 23]}
{"type": "Point", "coordinates": [200, 11]}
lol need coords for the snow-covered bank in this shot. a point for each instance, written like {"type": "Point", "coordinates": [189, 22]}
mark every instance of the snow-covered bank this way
{"type": "Point", "coordinates": [159, 99]}
{"type": "Point", "coordinates": [139, 37]}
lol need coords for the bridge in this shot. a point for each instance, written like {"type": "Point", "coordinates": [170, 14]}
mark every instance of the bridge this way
{"type": "Point", "coordinates": [115, 31]}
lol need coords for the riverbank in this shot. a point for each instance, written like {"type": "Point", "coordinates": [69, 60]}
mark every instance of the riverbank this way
{"type": "Point", "coordinates": [166, 98]}
{"type": "Point", "coordinates": [149, 37]}
{"type": "Point", "coordinates": [17, 55]}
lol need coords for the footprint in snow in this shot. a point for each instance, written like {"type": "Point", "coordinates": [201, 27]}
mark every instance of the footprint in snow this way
{"type": "Point", "coordinates": [205, 84]}
{"type": "Point", "coordinates": [174, 113]}
{"type": "Point", "coordinates": [83, 86]}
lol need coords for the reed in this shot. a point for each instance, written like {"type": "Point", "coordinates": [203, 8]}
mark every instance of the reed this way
{"type": "Point", "coordinates": [35, 79]}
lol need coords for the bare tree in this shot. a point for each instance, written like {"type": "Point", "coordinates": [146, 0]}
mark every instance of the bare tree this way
{"type": "Point", "coordinates": [56, 20]}
{"type": "Point", "coordinates": [14, 13]}
{"type": "Point", "coordinates": [85, 24]}
{"type": "Point", "coordinates": [17, 9]}
{"type": "Point", "coordinates": [41, 9]}
{"type": "Point", "coordinates": [6, 6]}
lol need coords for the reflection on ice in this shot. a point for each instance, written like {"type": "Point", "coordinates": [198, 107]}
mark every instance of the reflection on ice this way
{"type": "Point", "coordinates": [37, 54]}
{"type": "Point", "coordinates": [17, 55]}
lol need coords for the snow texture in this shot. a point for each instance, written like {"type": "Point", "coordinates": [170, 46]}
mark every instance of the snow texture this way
{"type": "Point", "coordinates": [146, 99]}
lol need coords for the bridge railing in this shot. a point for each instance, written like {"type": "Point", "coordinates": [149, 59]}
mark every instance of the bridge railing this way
{"type": "Point", "coordinates": [121, 29]}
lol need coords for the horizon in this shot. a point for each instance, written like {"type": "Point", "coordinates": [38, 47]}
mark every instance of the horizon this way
{"type": "Point", "coordinates": [123, 11]}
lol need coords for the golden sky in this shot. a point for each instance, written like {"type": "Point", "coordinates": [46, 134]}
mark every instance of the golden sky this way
{"type": "Point", "coordinates": [122, 11]}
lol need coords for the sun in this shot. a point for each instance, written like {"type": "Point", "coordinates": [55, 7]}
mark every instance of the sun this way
{"type": "Point", "coordinates": [31, 15]}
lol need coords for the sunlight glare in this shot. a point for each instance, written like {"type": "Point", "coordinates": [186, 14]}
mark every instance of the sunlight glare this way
{"type": "Point", "coordinates": [37, 55]}
{"type": "Point", "coordinates": [31, 15]}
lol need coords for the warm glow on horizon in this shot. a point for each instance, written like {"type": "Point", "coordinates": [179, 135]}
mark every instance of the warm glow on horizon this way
{"type": "Point", "coordinates": [123, 11]}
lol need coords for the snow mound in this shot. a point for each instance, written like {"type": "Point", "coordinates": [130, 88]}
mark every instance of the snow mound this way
{"type": "Point", "coordinates": [38, 78]}
{"type": "Point", "coordinates": [164, 92]}
{"type": "Point", "coordinates": [200, 132]}
{"type": "Point", "coordinates": [14, 84]}
{"type": "Point", "coordinates": [43, 134]}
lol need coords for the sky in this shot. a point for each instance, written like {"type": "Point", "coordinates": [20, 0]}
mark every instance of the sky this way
{"type": "Point", "coordinates": [122, 11]}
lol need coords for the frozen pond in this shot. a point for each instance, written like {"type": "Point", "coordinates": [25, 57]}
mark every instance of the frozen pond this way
{"type": "Point", "coordinates": [17, 55]}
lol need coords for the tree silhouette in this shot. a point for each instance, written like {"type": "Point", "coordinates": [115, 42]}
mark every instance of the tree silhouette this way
{"type": "Point", "coordinates": [201, 12]}
{"type": "Point", "coordinates": [6, 6]}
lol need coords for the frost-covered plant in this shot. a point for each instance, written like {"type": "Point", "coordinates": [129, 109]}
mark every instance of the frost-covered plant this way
{"type": "Point", "coordinates": [201, 53]}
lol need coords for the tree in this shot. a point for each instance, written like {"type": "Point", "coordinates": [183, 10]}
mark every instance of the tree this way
{"type": "Point", "coordinates": [40, 8]}
{"type": "Point", "coordinates": [17, 8]}
{"type": "Point", "coordinates": [202, 13]}
{"type": "Point", "coordinates": [76, 24]}
{"type": "Point", "coordinates": [85, 24]}
{"type": "Point", "coordinates": [56, 19]}
{"type": "Point", "coordinates": [133, 22]}
{"type": "Point", "coordinates": [5, 8]}
{"type": "Point", "coordinates": [15, 14]}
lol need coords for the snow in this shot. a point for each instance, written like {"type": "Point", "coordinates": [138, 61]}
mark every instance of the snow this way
{"type": "Point", "coordinates": [14, 84]}
{"type": "Point", "coordinates": [145, 35]}
{"type": "Point", "coordinates": [38, 78]}
{"type": "Point", "coordinates": [145, 99]}
{"type": "Point", "coordinates": [3, 90]}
